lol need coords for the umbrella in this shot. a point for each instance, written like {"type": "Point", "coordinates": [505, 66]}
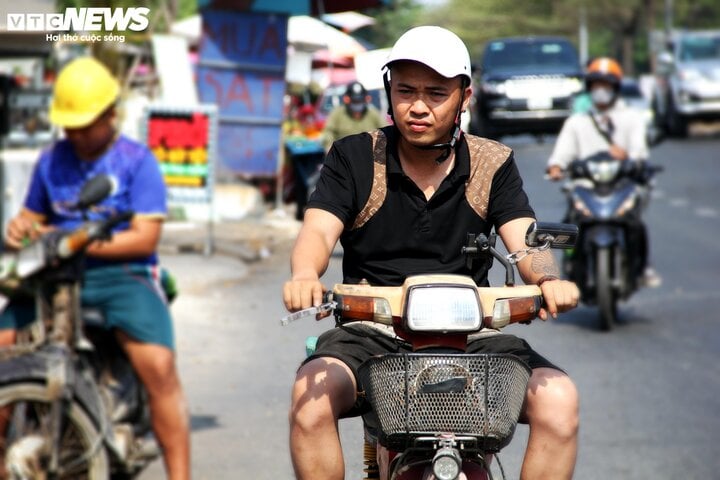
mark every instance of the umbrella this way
{"type": "Point", "coordinates": [304, 33]}
{"type": "Point", "coordinates": [348, 21]}
{"type": "Point", "coordinates": [325, 77]}
{"type": "Point", "coordinates": [189, 28]}
{"type": "Point", "coordinates": [308, 33]}
{"type": "Point", "coordinates": [325, 58]}
{"type": "Point", "coordinates": [293, 7]}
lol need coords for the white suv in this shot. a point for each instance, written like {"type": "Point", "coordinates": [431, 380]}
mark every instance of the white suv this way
{"type": "Point", "coordinates": [688, 81]}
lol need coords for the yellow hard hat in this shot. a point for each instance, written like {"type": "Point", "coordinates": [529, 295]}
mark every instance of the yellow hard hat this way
{"type": "Point", "coordinates": [84, 89]}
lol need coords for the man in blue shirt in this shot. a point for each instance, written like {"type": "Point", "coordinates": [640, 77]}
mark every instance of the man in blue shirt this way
{"type": "Point", "coordinates": [122, 275]}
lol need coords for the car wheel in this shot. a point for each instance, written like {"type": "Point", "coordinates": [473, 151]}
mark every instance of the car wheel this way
{"type": "Point", "coordinates": [677, 124]}
{"type": "Point", "coordinates": [484, 128]}
{"type": "Point", "coordinates": [658, 117]}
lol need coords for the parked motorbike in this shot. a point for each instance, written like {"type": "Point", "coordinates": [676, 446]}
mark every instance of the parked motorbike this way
{"type": "Point", "coordinates": [439, 413]}
{"type": "Point", "coordinates": [605, 199]}
{"type": "Point", "coordinates": [71, 406]}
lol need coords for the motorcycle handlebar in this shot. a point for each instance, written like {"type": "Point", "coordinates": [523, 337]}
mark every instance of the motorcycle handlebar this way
{"type": "Point", "coordinates": [500, 306]}
{"type": "Point", "coordinates": [73, 242]}
{"type": "Point", "coordinates": [638, 170]}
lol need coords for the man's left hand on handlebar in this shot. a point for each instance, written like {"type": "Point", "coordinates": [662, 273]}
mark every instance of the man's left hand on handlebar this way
{"type": "Point", "coordinates": [560, 296]}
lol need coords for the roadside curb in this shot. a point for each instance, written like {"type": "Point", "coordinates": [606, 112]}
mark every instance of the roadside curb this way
{"type": "Point", "coordinates": [249, 240]}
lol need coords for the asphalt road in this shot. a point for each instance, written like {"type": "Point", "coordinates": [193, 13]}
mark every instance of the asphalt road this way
{"type": "Point", "coordinates": [650, 389]}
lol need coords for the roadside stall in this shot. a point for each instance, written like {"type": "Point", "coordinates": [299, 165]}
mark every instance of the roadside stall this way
{"type": "Point", "coordinates": [26, 74]}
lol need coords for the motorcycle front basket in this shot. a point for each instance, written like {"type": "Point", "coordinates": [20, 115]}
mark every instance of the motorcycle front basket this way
{"type": "Point", "coordinates": [418, 395]}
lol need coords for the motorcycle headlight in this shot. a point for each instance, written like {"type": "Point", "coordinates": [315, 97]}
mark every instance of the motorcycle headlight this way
{"type": "Point", "coordinates": [446, 309]}
{"type": "Point", "coordinates": [603, 172]}
{"type": "Point", "coordinates": [447, 464]}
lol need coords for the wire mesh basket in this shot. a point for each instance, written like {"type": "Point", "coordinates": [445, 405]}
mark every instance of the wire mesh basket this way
{"type": "Point", "coordinates": [477, 395]}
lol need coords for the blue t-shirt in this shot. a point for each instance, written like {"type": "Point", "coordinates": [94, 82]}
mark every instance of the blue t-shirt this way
{"type": "Point", "coordinates": [60, 174]}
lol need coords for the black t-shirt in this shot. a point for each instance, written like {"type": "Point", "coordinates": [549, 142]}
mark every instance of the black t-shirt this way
{"type": "Point", "coordinates": [410, 235]}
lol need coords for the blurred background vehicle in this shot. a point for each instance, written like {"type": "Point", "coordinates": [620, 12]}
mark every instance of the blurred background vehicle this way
{"type": "Point", "coordinates": [633, 96]}
{"type": "Point", "coordinates": [525, 85]}
{"type": "Point", "coordinates": [688, 80]}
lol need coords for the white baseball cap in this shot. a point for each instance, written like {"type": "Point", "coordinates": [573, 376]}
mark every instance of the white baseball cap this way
{"type": "Point", "coordinates": [436, 47]}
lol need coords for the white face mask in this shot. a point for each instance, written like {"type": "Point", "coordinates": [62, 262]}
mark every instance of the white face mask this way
{"type": "Point", "coordinates": [602, 96]}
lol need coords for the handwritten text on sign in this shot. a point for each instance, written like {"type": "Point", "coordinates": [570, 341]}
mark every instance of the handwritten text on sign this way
{"type": "Point", "coordinates": [238, 93]}
{"type": "Point", "coordinates": [241, 70]}
{"type": "Point", "coordinates": [244, 37]}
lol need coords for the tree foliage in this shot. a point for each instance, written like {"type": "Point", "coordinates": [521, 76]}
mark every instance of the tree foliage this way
{"type": "Point", "coordinates": [390, 22]}
{"type": "Point", "coordinates": [617, 28]}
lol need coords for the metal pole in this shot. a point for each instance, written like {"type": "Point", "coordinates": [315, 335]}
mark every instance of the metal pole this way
{"type": "Point", "coordinates": [668, 18]}
{"type": "Point", "coordinates": [583, 36]}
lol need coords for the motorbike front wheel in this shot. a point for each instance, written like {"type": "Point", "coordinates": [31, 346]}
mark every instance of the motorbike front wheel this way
{"type": "Point", "coordinates": [604, 292]}
{"type": "Point", "coordinates": [24, 418]}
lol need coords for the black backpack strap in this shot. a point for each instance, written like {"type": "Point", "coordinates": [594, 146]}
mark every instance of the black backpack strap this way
{"type": "Point", "coordinates": [602, 132]}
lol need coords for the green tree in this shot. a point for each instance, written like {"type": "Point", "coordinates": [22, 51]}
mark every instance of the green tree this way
{"type": "Point", "coordinates": [477, 21]}
{"type": "Point", "coordinates": [390, 22]}
{"type": "Point", "coordinates": [617, 28]}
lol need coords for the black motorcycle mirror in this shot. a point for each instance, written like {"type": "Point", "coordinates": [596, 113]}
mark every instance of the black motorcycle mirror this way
{"type": "Point", "coordinates": [560, 235]}
{"type": "Point", "coordinates": [95, 191]}
{"type": "Point", "coordinates": [539, 236]}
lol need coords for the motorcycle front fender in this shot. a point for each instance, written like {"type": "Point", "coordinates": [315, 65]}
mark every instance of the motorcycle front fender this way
{"type": "Point", "coordinates": [52, 368]}
{"type": "Point", "coordinates": [603, 236]}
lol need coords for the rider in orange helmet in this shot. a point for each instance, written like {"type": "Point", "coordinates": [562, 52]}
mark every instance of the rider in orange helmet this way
{"type": "Point", "coordinates": [610, 126]}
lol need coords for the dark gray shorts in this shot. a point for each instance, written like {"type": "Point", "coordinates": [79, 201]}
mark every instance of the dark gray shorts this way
{"type": "Point", "coordinates": [354, 344]}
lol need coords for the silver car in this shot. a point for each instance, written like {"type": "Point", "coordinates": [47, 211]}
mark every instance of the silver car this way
{"type": "Point", "coordinates": [688, 81]}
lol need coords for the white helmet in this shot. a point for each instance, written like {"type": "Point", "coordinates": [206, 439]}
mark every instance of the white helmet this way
{"type": "Point", "coordinates": [436, 47]}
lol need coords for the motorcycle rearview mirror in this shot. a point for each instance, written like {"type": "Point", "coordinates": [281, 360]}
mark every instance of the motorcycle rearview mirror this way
{"type": "Point", "coordinates": [560, 235]}
{"type": "Point", "coordinates": [95, 191]}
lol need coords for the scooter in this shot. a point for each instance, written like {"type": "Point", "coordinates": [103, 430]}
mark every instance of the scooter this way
{"type": "Point", "coordinates": [71, 406]}
{"type": "Point", "coordinates": [439, 413]}
{"type": "Point", "coordinates": [605, 199]}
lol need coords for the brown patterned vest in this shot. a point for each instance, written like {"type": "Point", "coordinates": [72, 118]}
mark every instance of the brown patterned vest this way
{"type": "Point", "coordinates": [486, 157]}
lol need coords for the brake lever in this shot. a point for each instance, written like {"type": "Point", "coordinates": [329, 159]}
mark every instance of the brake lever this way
{"type": "Point", "coordinates": [307, 312]}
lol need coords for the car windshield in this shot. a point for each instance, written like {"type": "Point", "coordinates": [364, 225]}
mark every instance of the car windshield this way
{"type": "Point", "coordinates": [530, 56]}
{"type": "Point", "coordinates": [700, 48]}
{"type": "Point", "coordinates": [630, 90]}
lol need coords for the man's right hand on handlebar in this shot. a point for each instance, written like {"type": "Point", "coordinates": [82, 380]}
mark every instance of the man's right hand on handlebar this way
{"type": "Point", "coordinates": [303, 292]}
{"type": "Point", "coordinates": [555, 173]}
{"type": "Point", "coordinates": [23, 229]}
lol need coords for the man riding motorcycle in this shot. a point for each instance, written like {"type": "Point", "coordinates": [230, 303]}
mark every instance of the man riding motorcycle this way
{"type": "Point", "coordinates": [121, 276]}
{"type": "Point", "coordinates": [610, 126]}
{"type": "Point", "coordinates": [356, 114]}
{"type": "Point", "coordinates": [418, 224]}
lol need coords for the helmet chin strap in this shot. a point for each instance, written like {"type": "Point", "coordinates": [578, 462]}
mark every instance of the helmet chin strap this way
{"type": "Point", "coordinates": [448, 147]}
{"type": "Point", "coordinates": [456, 131]}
